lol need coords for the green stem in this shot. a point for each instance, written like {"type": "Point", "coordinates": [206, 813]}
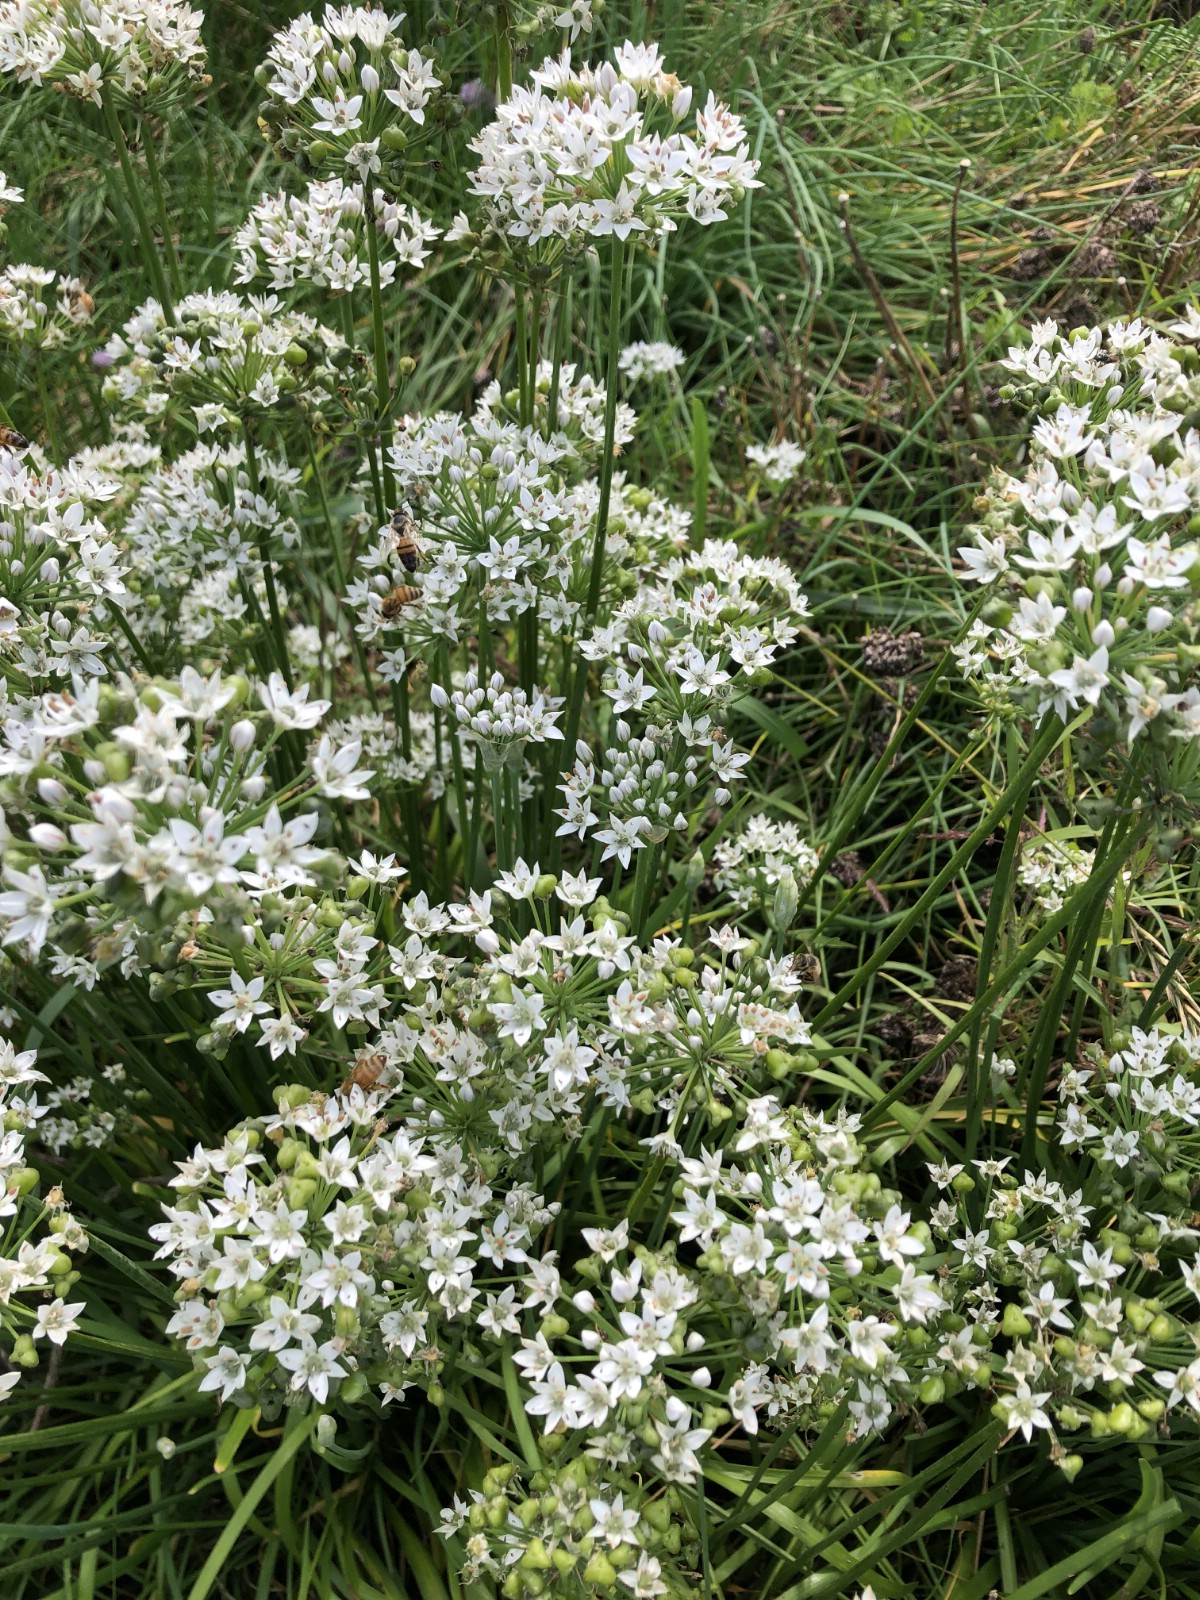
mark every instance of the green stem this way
{"type": "Point", "coordinates": [504, 60]}
{"type": "Point", "coordinates": [998, 911]}
{"type": "Point", "coordinates": [160, 205]}
{"type": "Point", "coordinates": [383, 387]}
{"type": "Point", "coordinates": [1130, 783]}
{"type": "Point", "coordinates": [338, 556]}
{"type": "Point", "coordinates": [504, 855]}
{"type": "Point", "coordinates": [264, 554]}
{"type": "Point", "coordinates": [381, 515]}
{"type": "Point", "coordinates": [535, 346]}
{"type": "Point", "coordinates": [49, 413]}
{"type": "Point", "coordinates": [562, 337]}
{"type": "Point", "coordinates": [525, 400]}
{"type": "Point", "coordinates": [456, 767]}
{"type": "Point", "coordinates": [596, 576]}
{"type": "Point", "coordinates": [149, 249]}
{"type": "Point", "coordinates": [617, 281]}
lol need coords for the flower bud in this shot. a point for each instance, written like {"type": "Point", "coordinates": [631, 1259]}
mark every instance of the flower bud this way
{"type": "Point", "coordinates": [1102, 634]}
{"type": "Point", "coordinates": [242, 735]}
{"type": "Point", "coordinates": [1081, 599]}
{"type": "Point", "coordinates": [1102, 576]}
{"type": "Point", "coordinates": [24, 1351]}
{"type": "Point", "coordinates": [51, 791]}
{"type": "Point", "coordinates": [787, 899]}
{"type": "Point", "coordinates": [369, 79]}
{"type": "Point", "coordinates": [46, 836]}
{"type": "Point", "coordinates": [1157, 618]}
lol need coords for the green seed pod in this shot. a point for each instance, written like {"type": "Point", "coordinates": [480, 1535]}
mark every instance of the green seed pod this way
{"type": "Point", "coordinates": [1014, 1324]}
{"type": "Point", "coordinates": [24, 1351]}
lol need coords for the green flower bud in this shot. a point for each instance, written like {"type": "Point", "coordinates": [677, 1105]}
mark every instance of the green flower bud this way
{"type": "Point", "coordinates": [299, 1191]}
{"type": "Point", "coordinates": [1014, 1324]}
{"type": "Point", "coordinates": [24, 1351]}
{"type": "Point", "coordinates": [600, 1571]}
{"type": "Point", "coordinates": [24, 1180]}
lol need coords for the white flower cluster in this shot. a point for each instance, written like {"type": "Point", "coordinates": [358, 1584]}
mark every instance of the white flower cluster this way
{"type": "Point", "coordinates": [61, 573]}
{"type": "Point", "coordinates": [32, 1265]}
{"type": "Point", "coordinates": [40, 309]}
{"type": "Point", "coordinates": [588, 153]}
{"type": "Point", "coordinates": [143, 50]}
{"type": "Point", "coordinates": [779, 463]}
{"type": "Point", "coordinates": [357, 1245]}
{"type": "Point", "coordinates": [506, 525]}
{"type": "Point", "coordinates": [579, 410]}
{"type": "Point", "coordinates": [1052, 868]}
{"type": "Point", "coordinates": [317, 238]}
{"type": "Point", "coordinates": [194, 533]}
{"type": "Point", "coordinates": [230, 358]}
{"type": "Point", "coordinates": [501, 720]}
{"type": "Point", "coordinates": [154, 802]}
{"type": "Point", "coordinates": [1092, 549]}
{"type": "Point", "coordinates": [343, 88]}
{"type": "Point", "coordinates": [649, 360]}
{"type": "Point", "coordinates": [751, 863]}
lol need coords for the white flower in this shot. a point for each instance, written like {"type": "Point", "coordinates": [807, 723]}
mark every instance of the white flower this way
{"type": "Point", "coordinates": [1023, 1410]}
{"type": "Point", "coordinates": [226, 1372]}
{"type": "Point", "coordinates": [312, 1366]}
{"type": "Point", "coordinates": [57, 1320]}
{"type": "Point", "coordinates": [240, 1003]}
{"type": "Point", "coordinates": [779, 463]}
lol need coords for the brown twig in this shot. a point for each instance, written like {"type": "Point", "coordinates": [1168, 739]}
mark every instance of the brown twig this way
{"type": "Point", "coordinates": [867, 275]}
{"type": "Point", "coordinates": [960, 315]}
{"type": "Point", "coordinates": [52, 1368]}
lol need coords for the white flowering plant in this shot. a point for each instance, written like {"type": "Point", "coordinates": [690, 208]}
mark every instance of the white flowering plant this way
{"type": "Point", "coordinates": [453, 911]}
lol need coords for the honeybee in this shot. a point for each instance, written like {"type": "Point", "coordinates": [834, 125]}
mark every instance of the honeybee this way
{"type": "Point", "coordinates": [404, 531]}
{"type": "Point", "coordinates": [806, 967]}
{"type": "Point", "coordinates": [10, 439]}
{"type": "Point", "coordinates": [394, 602]}
{"type": "Point", "coordinates": [365, 1074]}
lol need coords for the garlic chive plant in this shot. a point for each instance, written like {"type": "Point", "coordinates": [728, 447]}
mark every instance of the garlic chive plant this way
{"type": "Point", "coordinates": [392, 909]}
